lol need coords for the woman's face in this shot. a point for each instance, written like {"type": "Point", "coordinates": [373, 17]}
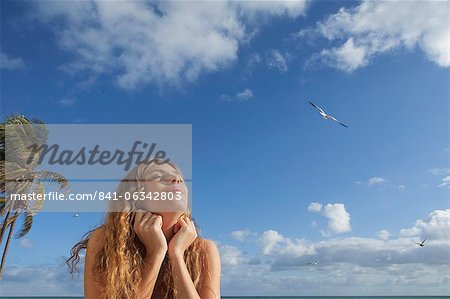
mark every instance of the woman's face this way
{"type": "Point", "coordinates": [167, 189]}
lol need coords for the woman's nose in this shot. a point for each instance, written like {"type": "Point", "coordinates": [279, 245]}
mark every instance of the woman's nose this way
{"type": "Point", "coordinates": [176, 179]}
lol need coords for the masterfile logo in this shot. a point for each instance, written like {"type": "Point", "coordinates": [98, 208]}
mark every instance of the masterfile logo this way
{"type": "Point", "coordinates": [89, 161]}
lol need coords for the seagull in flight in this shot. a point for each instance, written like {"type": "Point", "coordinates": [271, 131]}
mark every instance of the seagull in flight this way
{"type": "Point", "coordinates": [422, 244]}
{"type": "Point", "coordinates": [325, 116]}
{"type": "Point", "coordinates": [75, 215]}
{"type": "Point", "coordinates": [314, 263]}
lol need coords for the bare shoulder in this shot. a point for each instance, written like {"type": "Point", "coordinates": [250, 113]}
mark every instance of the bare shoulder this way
{"type": "Point", "coordinates": [211, 249]}
{"type": "Point", "coordinates": [210, 284]}
{"type": "Point", "coordinates": [96, 238]}
{"type": "Point", "coordinates": [209, 244]}
{"type": "Point", "coordinates": [92, 288]}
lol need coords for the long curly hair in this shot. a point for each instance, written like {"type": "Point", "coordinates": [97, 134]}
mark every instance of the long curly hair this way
{"type": "Point", "coordinates": [119, 263]}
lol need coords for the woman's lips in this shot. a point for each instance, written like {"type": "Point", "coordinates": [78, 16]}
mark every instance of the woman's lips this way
{"type": "Point", "coordinates": [176, 190]}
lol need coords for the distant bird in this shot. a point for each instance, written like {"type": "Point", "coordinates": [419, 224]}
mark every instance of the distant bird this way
{"type": "Point", "coordinates": [325, 116]}
{"type": "Point", "coordinates": [75, 215]}
{"type": "Point", "coordinates": [421, 244]}
{"type": "Point", "coordinates": [314, 263]}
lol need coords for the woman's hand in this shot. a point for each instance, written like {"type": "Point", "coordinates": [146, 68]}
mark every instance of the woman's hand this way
{"type": "Point", "coordinates": [185, 234]}
{"type": "Point", "coordinates": [148, 227]}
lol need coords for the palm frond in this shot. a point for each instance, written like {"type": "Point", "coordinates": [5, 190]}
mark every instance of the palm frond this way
{"type": "Point", "coordinates": [34, 206]}
{"type": "Point", "coordinates": [52, 177]}
{"type": "Point", "coordinates": [20, 187]}
{"type": "Point", "coordinates": [26, 225]}
{"type": "Point", "coordinates": [2, 205]}
{"type": "Point", "coordinates": [20, 134]}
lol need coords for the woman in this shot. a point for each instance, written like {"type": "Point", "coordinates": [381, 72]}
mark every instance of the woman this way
{"type": "Point", "coordinates": [148, 248]}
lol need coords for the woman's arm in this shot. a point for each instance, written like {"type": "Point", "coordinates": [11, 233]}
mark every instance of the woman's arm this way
{"type": "Point", "coordinates": [183, 282]}
{"type": "Point", "coordinates": [185, 234]}
{"type": "Point", "coordinates": [148, 227]}
{"type": "Point", "coordinates": [149, 275]}
{"type": "Point", "coordinates": [210, 285]}
{"type": "Point", "coordinates": [93, 290]}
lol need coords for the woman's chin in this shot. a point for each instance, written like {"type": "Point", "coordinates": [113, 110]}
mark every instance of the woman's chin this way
{"type": "Point", "coordinates": [173, 207]}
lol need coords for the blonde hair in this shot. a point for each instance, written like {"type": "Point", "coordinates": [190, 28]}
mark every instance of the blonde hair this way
{"type": "Point", "coordinates": [119, 263]}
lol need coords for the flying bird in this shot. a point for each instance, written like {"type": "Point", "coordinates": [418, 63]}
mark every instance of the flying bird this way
{"type": "Point", "coordinates": [314, 263]}
{"type": "Point", "coordinates": [75, 215]}
{"type": "Point", "coordinates": [422, 244]}
{"type": "Point", "coordinates": [325, 116]}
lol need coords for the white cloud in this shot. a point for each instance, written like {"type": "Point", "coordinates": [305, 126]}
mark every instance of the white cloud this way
{"type": "Point", "coordinates": [410, 232]}
{"type": "Point", "coordinates": [254, 59]}
{"type": "Point", "coordinates": [158, 42]}
{"type": "Point", "coordinates": [276, 60]}
{"type": "Point", "coordinates": [241, 235]}
{"type": "Point", "coordinates": [68, 101]}
{"type": "Point", "coordinates": [382, 257]}
{"type": "Point", "coordinates": [348, 266]}
{"type": "Point", "coordinates": [315, 207]}
{"type": "Point", "coordinates": [383, 235]}
{"type": "Point", "coordinates": [436, 227]}
{"type": "Point", "coordinates": [445, 182]}
{"type": "Point", "coordinates": [376, 181]}
{"type": "Point", "coordinates": [230, 255]}
{"type": "Point", "coordinates": [382, 182]}
{"type": "Point", "coordinates": [242, 96]}
{"type": "Point", "coordinates": [367, 252]}
{"type": "Point", "coordinates": [269, 240]}
{"type": "Point", "coordinates": [439, 171]}
{"type": "Point", "coordinates": [252, 62]}
{"type": "Point", "coordinates": [42, 280]}
{"type": "Point", "coordinates": [375, 27]}
{"type": "Point", "coordinates": [225, 98]}
{"type": "Point", "coordinates": [273, 59]}
{"type": "Point", "coordinates": [11, 63]}
{"type": "Point", "coordinates": [338, 218]}
{"type": "Point", "coordinates": [273, 243]}
{"type": "Point", "coordinates": [347, 57]}
{"type": "Point", "coordinates": [26, 243]}
{"type": "Point", "coordinates": [291, 8]}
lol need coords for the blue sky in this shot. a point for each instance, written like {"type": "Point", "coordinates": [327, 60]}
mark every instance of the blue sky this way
{"type": "Point", "coordinates": [242, 74]}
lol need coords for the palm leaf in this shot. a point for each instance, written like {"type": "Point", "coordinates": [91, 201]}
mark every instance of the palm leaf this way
{"type": "Point", "coordinates": [52, 177]}
{"type": "Point", "coordinates": [19, 133]}
{"type": "Point", "coordinates": [26, 225]}
{"type": "Point", "coordinates": [33, 207]}
{"type": "Point", "coordinates": [2, 205]}
{"type": "Point", "coordinates": [21, 172]}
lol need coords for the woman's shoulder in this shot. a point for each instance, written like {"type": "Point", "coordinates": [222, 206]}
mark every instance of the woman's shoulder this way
{"type": "Point", "coordinates": [207, 242]}
{"type": "Point", "coordinates": [210, 246]}
{"type": "Point", "coordinates": [96, 238]}
{"type": "Point", "coordinates": [211, 255]}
